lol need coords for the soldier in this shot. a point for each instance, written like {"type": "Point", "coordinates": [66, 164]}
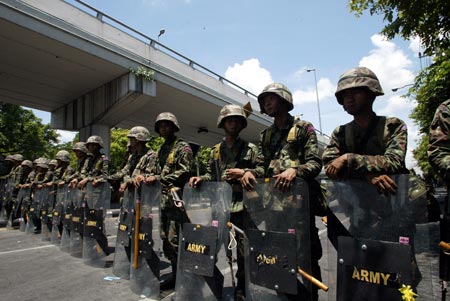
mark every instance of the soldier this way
{"type": "Point", "coordinates": [81, 152]}
{"type": "Point", "coordinates": [228, 161]}
{"type": "Point", "coordinates": [138, 136]}
{"type": "Point", "coordinates": [289, 149]}
{"type": "Point", "coordinates": [172, 168]}
{"type": "Point", "coordinates": [14, 176]}
{"type": "Point", "coordinates": [439, 158]}
{"type": "Point", "coordinates": [94, 170]}
{"type": "Point", "coordinates": [63, 170]}
{"type": "Point", "coordinates": [370, 147]}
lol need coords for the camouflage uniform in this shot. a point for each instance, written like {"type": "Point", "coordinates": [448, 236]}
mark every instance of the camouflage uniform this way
{"type": "Point", "coordinates": [383, 152]}
{"type": "Point", "coordinates": [79, 146]}
{"type": "Point", "coordinates": [439, 141]}
{"type": "Point", "coordinates": [172, 169]}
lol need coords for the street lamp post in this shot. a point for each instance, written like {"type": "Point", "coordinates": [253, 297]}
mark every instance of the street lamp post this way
{"type": "Point", "coordinates": [317, 97]}
{"type": "Point", "coordinates": [398, 88]}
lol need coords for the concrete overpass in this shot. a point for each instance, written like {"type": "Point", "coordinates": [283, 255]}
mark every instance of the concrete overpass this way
{"type": "Point", "coordinates": [74, 61]}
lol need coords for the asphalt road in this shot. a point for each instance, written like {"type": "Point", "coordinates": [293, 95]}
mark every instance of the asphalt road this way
{"type": "Point", "coordinates": [32, 269]}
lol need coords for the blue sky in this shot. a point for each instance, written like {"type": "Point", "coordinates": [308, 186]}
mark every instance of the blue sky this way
{"type": "Point", "coordinates": [253, 43]}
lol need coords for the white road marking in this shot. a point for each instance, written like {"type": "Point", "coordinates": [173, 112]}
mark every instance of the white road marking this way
{"type": "Point", "coordinates": [25, 250]}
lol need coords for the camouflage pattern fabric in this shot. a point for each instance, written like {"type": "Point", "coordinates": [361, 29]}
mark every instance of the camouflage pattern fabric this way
{"type": "Point", "coordinates": [126, 172]}
{"type": "Point", "coordinates": [380, 155]}
{"type": "Point", "coordinates": [146, 164]}
{"type": "Point", "coordinates": [439, 141]}
{"type": "Point", "coordinates": [77, 173]}
{"type": "Point", "coordinates": [96, 169]}
{"type": "Point", "coordinates": [276, 154]}
{"type": "Point", "coordinates": [241, 155]}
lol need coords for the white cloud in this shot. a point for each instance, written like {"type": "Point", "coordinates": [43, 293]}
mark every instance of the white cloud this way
{"type": "Point", "coordinates": [66, 136]}
{"type": "Point", "coordinates": [249, 75]}
{"type": "Point", "coordinates": [415, 46]}
{"type": "Point", "coordinates": [325, 89]}
{"type": "Point", "coordinates": [389, 63]}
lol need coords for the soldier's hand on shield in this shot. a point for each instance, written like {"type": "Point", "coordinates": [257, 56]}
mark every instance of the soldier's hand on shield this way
{"type": "Point", "coordinates": [61, 183]}
{"type": "Point", "coordinates": [39, 186]}
{"type": "Point", "coordinates": [48, 184]}
{"type": "Point", "coordinates": [284, 180]}
{"type": "Point", "coordinates": [194, 182]}
{"type": "Point", "coordinates": [122, 187]}
{"type": "Point", "coordinates": [82, 183]}
{"type": "Point", "coordinates": [335, 166]}
{"type": "Point", "coordinates": [384, 184]}
{"type": "Point", "coordinates": [234, 173]}
{"type": "Point", "coordinates": [247, 180]}
{"type": "Point", "coordinates": [73, 183]}
{"type": "Point", "coordinates": [137, 180]}
{"type": "Point", "coordinates": [149, 179]}
{"type": "Point", "coordinates": [95, 183]}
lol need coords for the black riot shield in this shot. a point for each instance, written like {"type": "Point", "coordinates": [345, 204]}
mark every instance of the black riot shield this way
{"type": "Point", "coordinates": [45, 212]}
{"type": "Point", "coordinates": [278, 246]}
{"type": "Point", "coordinates": [70, 198]}
{"type": "Point", "coordinates": [380, 247]}
{"type": "Point", "coordinates": [208, 210]}
{"type": "Point", "coordinates": [122, 253]}
{"type": "Point", "coordinates": [146, 243]}
{"type": "Point", "coordinates": [58, 215]}
{"type": "Point", "coordinates": [95, 242]}
{"type": "Point", "coordinates": [76, 224]}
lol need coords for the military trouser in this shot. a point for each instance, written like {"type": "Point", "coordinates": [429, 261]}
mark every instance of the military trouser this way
{"type": "Point", "coordinates": [237, 219]}
{"type": "Point", "coordinates": [171, 220]}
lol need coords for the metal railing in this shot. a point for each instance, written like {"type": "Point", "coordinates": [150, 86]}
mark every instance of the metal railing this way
{"type": "Point", "coordinates": [100, 15]}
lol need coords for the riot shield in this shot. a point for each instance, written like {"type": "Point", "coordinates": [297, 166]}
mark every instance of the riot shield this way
{"type": "Point", "coordinates": [8, 202]}
{"type": "Point", "coordinates": [380, 246]}
{"type": "Point", "coordinates": [278, 245]}
{"type": "Point", "coordinates": [58, 214]}
{"type": "Point", "coordinates": [2, 200]}
{"type": "Point", "coordinates": [95, 242]}
{"type": "Point", "coordinates": [34, 223]}
{"type": "Point", "coordinates": [122, 253]}
{"type": "Point", "coordinates": [21, 207]}
{"type": "Point", "coordinates": [70, 198]}
{"type": "Point", "coordinates": [45, 212]}
{"type": "Point", "coordinates": [208, 210]}
{"type": "Point", "coordinates": [146, 243]}
{"type": "Point", "coordinates": [77, 224]}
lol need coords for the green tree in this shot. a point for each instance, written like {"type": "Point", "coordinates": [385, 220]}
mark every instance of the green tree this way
{"type": "Point", "coordinates": [22, 132]}
{"type": "Point", "coordinates": [118, 148]}
{"type": "Point", "coordinates": [429, 20]}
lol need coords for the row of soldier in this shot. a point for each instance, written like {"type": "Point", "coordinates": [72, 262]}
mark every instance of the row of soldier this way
{"type": "Point", "coordinates": [370, 148]}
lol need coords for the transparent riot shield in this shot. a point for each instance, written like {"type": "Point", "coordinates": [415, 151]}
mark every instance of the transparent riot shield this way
{"type": "Point", "coordinates": [146, 242]}
{"type": "Point", "coordinates": [201, 239]}
{"type": "Point", "coordinates": [21, 207]}
{"type": "Point", "coordinates": [77, 224]}
{"type": "Point", "coordinates": [71, 195]}
{"type": "Point", "coordinates": [278, 245]}
{"type": "Point", "coordinates": [95, 242]}
{"type": "Point", "coordinates": [3, 200]}
{"type": "Point", "coordinates": [46, 209]}
{"type": "Point", "coordinates": [380, 246]}
{"type": "Point", "coordinates": [58, 215]}
{"type": "Point", "coordinates": [8, 202]}
{"type": "Point", "coordinates": [122, 253]}
{"type": "Point", "coordinates": [34, 223]}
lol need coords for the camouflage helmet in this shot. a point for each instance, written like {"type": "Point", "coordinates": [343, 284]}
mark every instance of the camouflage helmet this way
{"type": "Point", "coordinates": [168, 117]}
{"type": "Point", "coordinates": [27, 163]}
{"type": "Point", "coordinates": [17, 157]}
{"type": "Point", "coordinates": [9, 158]}
{"type": "Point", "coordinates": [95, 140]}
{"type": "Point", "coordinates": [80, 146]}
{"type": "Point", "coordinates": [278, 89]}
{"type": "Point", "coordinates": [140, 133]}
{"type": "Point", "coordinates": [360, 77]}
{"type": "Point", "coordinates": [231, 110]}
{"type": "Point", "coordinates": [53, 162]}
{"type": "Point", "coordinates": [63, 155]}
{"type": "Point", "coordinates": [42, 162]}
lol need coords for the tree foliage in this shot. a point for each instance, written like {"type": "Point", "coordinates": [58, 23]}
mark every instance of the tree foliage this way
{"type": "Point", "coordinates": [22, 132]}
{"type": "Point", "coordinates": [430, 20]}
